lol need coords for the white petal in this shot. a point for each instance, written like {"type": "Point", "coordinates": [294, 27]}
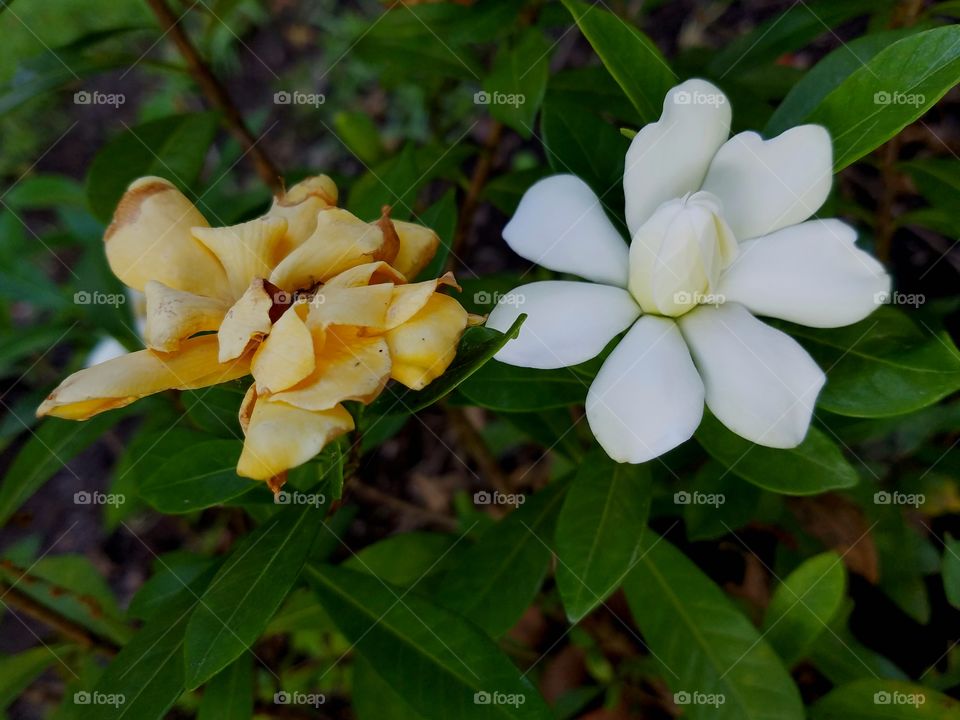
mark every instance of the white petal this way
{"type": "Point", "coordinates": [760, 383]}
{"type": "Point", "coordinates": [812, 274]}
{"type": "Point", "coordinates": [669, 158]}
{"type": "Point", "coordinates": [567, 322]}
{"type": "Point", "coordinates": [560, 224]}
{"type": "Point", "coordinates": [647, 397]}
{"type": "Point", "coordinates": [766, 185]}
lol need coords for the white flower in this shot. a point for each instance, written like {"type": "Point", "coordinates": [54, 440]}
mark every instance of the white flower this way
{"type": "Point", "coordinates": [718, 235]}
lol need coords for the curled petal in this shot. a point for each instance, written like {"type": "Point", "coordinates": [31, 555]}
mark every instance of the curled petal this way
{"type": "Point", "coordinates": [418, 245]}
{"type": "Point", "coordinates": [408, 300]}
{"type": "Point", "coordinates": [339, 242]}
{"type": "Point", "coordinates": [760, 383]}
{"type": "Point", "coordinates": [364, 306]}
{"type": "Point", "coordinates": [367, 274]}
{"type": "Point", "coordinates": [811, 273]}
{"type": "Point", "coordinates": [246, 251]}
{"type": "Point", "coordinates": [120, 381]}
{"type": "Point", "coordinates": [424, 346]}
{"type": "Point", "coordinates": [560, 224]}
{"type": "Point", "coordinates": [766, 185]}
{"type": "Point", "coordinates": [149, 239]}
{"type": "Point", "coordinates": [174, 315]}
{"type": "Point", "coordinates": [349, 366]}
{"type": "Point", "coordinates": [647, 397]}
{"type": "Point", "coordinates": [669, 158]}
{"type": "Point", "coordinates": [567, 322]}
{"type": "Point", "coordinates": [300, 205]}
{"type": "Point", "coordinates": [248, 319]}
{"type": "Point", "coordinates": [280, 436]}
{"type": "Point", "coordinates": [286, 356]}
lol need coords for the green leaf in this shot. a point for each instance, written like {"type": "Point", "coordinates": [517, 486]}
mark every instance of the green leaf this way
{"type": "Point", "coordinates": [374, 699]}
{"type": "Point", "coordinates": [436, 660]}
{"type": "Point", "coordinates": [600, 531]}
{"type": "Point", "coordinates": [897, 86]}
{"type": "Point", "coordinates": [171, 572]}
{"type": "Point", "coordinates": [579, 142]}
{"type": "Point", "coordinates": [630, 56]}
{"type": "Point", "coordinates": [498, 577]}
{"type": "Point", "coordinates": [229, 695]}
{"type": "Point", "coordinates": [734, 503]}
{"type": "Point", "coordinates": [18, 671]}
{"type": "Point", "coordinates": [148, 672]}
{"type": "Point", "coordinates": [938, 180]}
{"type": "Point", "coordinates": [394, 182]}
{"type": "Point", "coordinates": [406, 558]}
{"type": "Point", "coordinates": [814, 466]}
{"type": "Point", "coordinates": [889, 699]}
{"type": "Point", "coordinates": [883, 365]}
{"type": "Point", "coordinates": [46, 191]}
{"type": "Point", "coordinates": [804, 605]}
{"type": "Point", "coordinates": [51, 445]}
{"type": "Point", "coordinates": [247, 590]}
{"type": "Point", "coordinates": [788, 31]}
{"type": "Point", "coordinates": [361, 136]}
{"type": "Point", "coordinates": [825, 76]}
{"type": "Point", "coordinates": [172, 147]}
{"type": "Point", "coordinates": [517, 81]}
{"type": "Point", "coordinates": [950, 567]}
{"type": "Point", "coordinates": [704, 643]}
{"type": "Point", "coordinates": [441, 217]}
{"type": "Point", "coordinates": [199, 476]}
{"type": "Point", "coordinates": [477, 347]}
{"type": "Point", "coordinates": [505, 191]}
{"type": "Point", "coordinates": [507, 388]}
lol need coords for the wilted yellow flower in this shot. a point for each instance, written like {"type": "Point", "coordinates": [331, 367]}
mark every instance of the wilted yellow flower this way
{"type": "Point", "coordinates": [315, 303]}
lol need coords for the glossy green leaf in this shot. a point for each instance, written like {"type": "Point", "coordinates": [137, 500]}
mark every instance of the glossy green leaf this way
{"type": "Point", "coordinates": [814, 466]}
{"type": "Point", "coordinates": [394, 182]}
{"type": "Point", "coordinates": [172, 571]}
{"type": "Point", "coordinates": [435, 659]}
{"type": "Point", "coordinates": [508, 388]}
{"type": "Point", "coordinates": [897, 86]}
{"type": "Point", "coordinates": [716, 503]}
{"type": "Point", "coordinates": [407, 558]}
{"type": "Point", "coordinates": [441, 217]}
{"type": "Point", "coordinates": [229, 695]}
{"type": "Point", "coordinates": [888, 699]}
{"type": "Point", "coordinates": [600, 531]}
{"type": "Point", "coordinates": [804, 604]}
{"type": "Point", "coordinates": [498, 577]}
{"type": "Point", "coordinates": [18, 671]}
{"type": "Point", "coordinates": [247, 590]}
{"type": "Point", "coordinates": [883, 365]}
{"type": "Point", "coordinates": [172, 147]}
{"type": "Point", "coordinates": [51, 445]}
{"type": "Point", "coordinates": [950, 568]}
{"type": "Point", "coordinates": [630, 56]}
{"type": "Point", "coordinates": [199, 476]}
{"type": "Point", "coordinates": [704, 643]}
{"type": "Point", "coordinates": [477, 347]}
{"type": "Point", "coordinates": [360, 134]}
{"type": "Point", "coordinates": [514, 89]}
{"type": "Point", "coordinates": [374, 699]}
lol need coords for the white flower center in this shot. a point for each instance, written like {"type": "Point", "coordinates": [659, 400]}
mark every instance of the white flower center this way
{"type": "Point", "coordinates": [677, 255]}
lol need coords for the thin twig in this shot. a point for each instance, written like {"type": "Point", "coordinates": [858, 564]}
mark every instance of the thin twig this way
{"type": "Point", "coordinates": [216, 94]}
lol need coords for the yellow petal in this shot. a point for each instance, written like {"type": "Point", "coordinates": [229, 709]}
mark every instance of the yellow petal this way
{"type": "Point", "coordinates": [418, 245]}
{"type": "Point", "coordinates": [173, 315]}
{"type": "Point", "coordinates": [248, 319]}
{"type": "Point", "coordinates": [408, 300]}
{"type": "Point", "coordinates": [349, 367]}
{"type": "Point", "coordinates": [339, 242]}
{"type": "Point", "coordinates": [280, 437]}
{"type": "Point", "coordinates": [149, 239]}
{"type": "Point", "coordinates": [120, 381]}
{"type": "Point", "coordinates": [425, 345]}
{"type": "Point", "coordinates": [246, 251]}
{"type": "Point", "coordinates": [286, 357]}
{"type": "Point", "coordinates": [299, 207]}
{"type": "Point", "coordinates": [364, 306]}
{"type": "Point", "coordinates": [366, 274]}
